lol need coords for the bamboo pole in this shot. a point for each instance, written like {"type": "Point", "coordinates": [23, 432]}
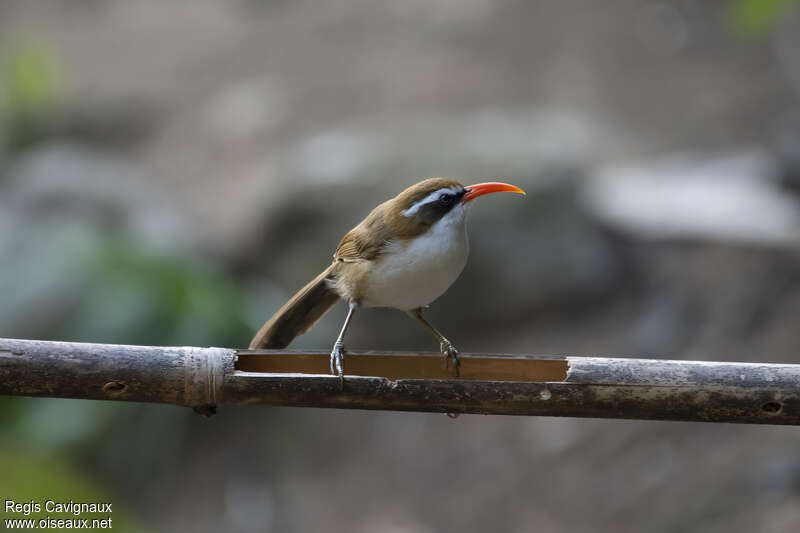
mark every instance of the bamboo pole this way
{"type": "Point", "coordinates": [592, 387]}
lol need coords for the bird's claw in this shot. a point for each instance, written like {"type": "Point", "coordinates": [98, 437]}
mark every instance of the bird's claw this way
{"type": "Point", "coordinates": [337, 362]}
{"type": "Point", "coordinates": [450, 357]}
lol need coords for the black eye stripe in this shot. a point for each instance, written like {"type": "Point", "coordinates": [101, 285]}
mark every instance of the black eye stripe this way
{"type": "Point", "coordinates": [449, 197]}
{"type": "Point", "coordinates": [436, 207]}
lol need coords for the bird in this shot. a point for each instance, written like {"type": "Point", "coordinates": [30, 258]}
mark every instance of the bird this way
{"type": "Point", "coordinates": [404, 255]}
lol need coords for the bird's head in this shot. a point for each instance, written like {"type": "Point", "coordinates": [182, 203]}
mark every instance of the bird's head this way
{"type": "Point", "coordinates": [434, 199]}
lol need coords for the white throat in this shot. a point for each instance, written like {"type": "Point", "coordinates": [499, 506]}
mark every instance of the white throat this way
{"type": "Point", "coordinates": [412, 273]}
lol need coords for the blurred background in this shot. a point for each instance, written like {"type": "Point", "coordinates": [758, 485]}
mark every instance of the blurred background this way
{"type": "Point", "coordinates": [171, 173]}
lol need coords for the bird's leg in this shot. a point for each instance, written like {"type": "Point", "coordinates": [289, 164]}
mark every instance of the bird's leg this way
{"type": "Point", "coordinates": [337, 354]}
{"type": "Point", "coordinates": [445, 346]}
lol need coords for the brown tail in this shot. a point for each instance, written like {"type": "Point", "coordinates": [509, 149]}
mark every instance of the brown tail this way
{"type": "Point", "coordinates": [297, 315]}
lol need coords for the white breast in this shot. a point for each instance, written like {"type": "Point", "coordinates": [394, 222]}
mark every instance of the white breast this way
{"type": "Point", "coordinates": [413, 273]}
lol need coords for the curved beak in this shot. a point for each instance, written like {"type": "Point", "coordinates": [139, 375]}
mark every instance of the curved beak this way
{"type": "Point", "coordinates": [479, 189]}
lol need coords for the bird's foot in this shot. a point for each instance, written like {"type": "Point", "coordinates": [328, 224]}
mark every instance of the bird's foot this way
{"type": "Point", "coordinates": [450, 357]}
{"type": "Point", "coordinates": [337, 362]}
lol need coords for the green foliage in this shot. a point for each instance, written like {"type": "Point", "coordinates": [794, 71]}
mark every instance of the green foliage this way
{"type": "Point", "coordinates": [29, 90]}
{"type": "Point", "coordinates": [28, 80]}
{"type": "Point", "coordinates": [755, 18]}
{"type": "Point", "coordinates": [142, 297]}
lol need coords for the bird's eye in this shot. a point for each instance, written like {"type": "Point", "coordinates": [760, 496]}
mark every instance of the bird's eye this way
{"type": "Point", "coordinates": [445, 198]}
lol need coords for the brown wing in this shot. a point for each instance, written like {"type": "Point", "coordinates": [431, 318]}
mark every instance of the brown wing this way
{"type": "Point", "coordinates": [366, 241]}
{"type": "Point", "coordinates": [356, 246]}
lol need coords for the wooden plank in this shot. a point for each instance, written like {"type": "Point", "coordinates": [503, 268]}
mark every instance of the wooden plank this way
{"type": "Point", "coordinates": [396, 365]}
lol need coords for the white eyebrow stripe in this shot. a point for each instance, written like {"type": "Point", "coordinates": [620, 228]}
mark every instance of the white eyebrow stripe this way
{"type": "Point", "coordinates": [432, 197]}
